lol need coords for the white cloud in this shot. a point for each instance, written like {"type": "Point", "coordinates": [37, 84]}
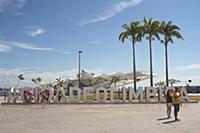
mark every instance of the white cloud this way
{"type": "Point", "coordinates": [33, 47]}
{"type": "Point", "coordinates": [95, 42]}
{"type": "Point", "coordinates": [18, 14]}
{"type": "Point", "coordinates": [4, 48]}
{"type": "Point", "coordinates": [192, 77]}
{"type": "Point", "coordinates": [3, 5]}
{"type": "Point", "coordinates": [33, 30]}
{"type": "Point", "coordinates": [11, 5]}
{"type": "Point", "coordinates": [36, 32]}
{"type": "Point", "coordinates": [29, 27]}
{"type": "Point", "coordinates": [184, 79]}
{"type": "Point", "coordinates": [8, 77]}
{"type": "Point", "coordinates": [187, 72]}
{"type": "Point", "coordinates": [112, 11]}
{"type": "Point", "coordinates": [187, 67]}
{"type": "Point", "coordinates": [21, 3]}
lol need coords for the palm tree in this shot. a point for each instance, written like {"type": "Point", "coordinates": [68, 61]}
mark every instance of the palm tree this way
{"type": "Point", "coordinates": [60, 81]}
{"type": "Point", "coordinates": [151, 30]}
{"type": "Point", "coordinates": [134, 33]}
{"type": "Point", "coordinates": [34, 80]}
{"type": "Point", "coordinates": [20, 77]}
{"type": "Point", "coordinates": [37, 81]}
{"type": "Point", "coordinates": [169, 30]}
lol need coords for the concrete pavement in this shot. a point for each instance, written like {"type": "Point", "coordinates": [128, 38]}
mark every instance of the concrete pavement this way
{"type": "Point", "coordinates": [109, 118]}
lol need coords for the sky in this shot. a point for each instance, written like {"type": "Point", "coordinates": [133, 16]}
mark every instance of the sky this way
{"type": "Point", "coordinates": [41, 38]}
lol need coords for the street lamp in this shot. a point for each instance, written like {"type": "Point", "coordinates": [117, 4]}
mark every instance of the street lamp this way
{"type": "Point", "coordinates": [79, 68]}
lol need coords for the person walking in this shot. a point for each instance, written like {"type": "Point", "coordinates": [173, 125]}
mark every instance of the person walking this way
{"type": "Point", "coordinates": [169, 101]}
{"type": "Point", "coordinates": [43, 99]}
{"type": "Point", "coordinates": [176, 102]}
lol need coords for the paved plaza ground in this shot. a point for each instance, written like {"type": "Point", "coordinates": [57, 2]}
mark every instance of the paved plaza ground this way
{"type": "Point", "coordinates": [98, 118]}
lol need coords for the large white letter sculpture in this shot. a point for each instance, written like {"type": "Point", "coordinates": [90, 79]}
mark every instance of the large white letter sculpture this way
{"type": "Point", "coordinates": [75, 93]}
{"type": "Point", "coordinates": [136, 95]}
{"type": "Point", "coordinates": [60, 92]}
{"type": "Point", "coordinates": [88, 92]}
{"type": "Point", "coordinates": [112, 99]}
{"type": "Point", "coordinates": [184, 94]}
{"type": "Point", "coordinates": [104, 92]}
{"type": "Point", "coordinates": [71, 94]}
{"type": "Point", "coordinates": [150, 92]}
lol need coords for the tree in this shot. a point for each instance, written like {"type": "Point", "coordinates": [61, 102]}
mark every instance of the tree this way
{"type": "Point", "coordinates": [173, 81]}
{"type": "Point", "coordinates": [160, 84]}
{"type": "Point", "coordinates": [134, 33]}
{"type": "Point", "coordinates": [163, 85]}
{"type": "Point", "coordinates": [169, 30]}
{"type": "Point", "coordinates": [114, 81]}
{"type": "Point", "coordinates": [37, 81]}
{"type": "Point", "coordinates": [20, 77]}
{"type": "Point", "coordinates": [60, 82]}
{"type": "Point", "coordinates": [151, 31]}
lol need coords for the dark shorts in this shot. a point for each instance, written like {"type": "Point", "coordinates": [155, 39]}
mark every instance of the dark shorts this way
{"type": "Point", "coordinates": [176, 108]}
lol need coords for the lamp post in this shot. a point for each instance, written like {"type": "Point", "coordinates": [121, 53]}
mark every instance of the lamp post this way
{"type": "Point", "coordinates": [79, 68]}
{"type": "Point", "coordinates": [188, 82]}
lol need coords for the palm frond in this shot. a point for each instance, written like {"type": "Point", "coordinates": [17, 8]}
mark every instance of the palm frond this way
{"type": "Point", "coordinates": [145, 20]}
{"type": "Point", "coordinates": [170, 40]}
{"type": "Point", "coordinates": [123, 36]}
{"type": "Point", "coordinates": [21, 77]}
{"type": "Point", "coordinates": [177, 34]}
{"type": "Point", "coordinates": [39, 79]}
{"type": "Point", "coordinates": [170, 30]}
{"type": "Point", "coordinates": [34, 80]}
{"type": "Point", "coordinates": [157, 36]}
{"type": "Point", "coordinates": [134, 31]}
{"type": "Point", "coordinates": [126, 27]}
{"type": "Point", "coordinates": [150, 21]}
{"type": "Point", "coordinates": [169, 23]}
{"type": "Point", "coordinates": [174, 27]}
{"type": "Point", "coordinates": [151, 28]}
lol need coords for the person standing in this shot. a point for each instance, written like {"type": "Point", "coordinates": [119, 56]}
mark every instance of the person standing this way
{"type": "Point", "coordinates": [176, 102]}
{"type": "Point", "coordinates": [43, 98]}
{"type": "Point", "coordinates": [169, 100]}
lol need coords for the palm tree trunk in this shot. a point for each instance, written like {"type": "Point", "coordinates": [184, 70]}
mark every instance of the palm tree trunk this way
{"type": "Point", "coordinates": [151, 66]}
{"type": "Point", "coordinates": [134, 66]}
{"type": "Point", "coordinates": [166, 65]}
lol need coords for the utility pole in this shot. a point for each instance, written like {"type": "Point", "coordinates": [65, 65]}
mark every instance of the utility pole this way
{"type": "Point", "coordinates": [79, 68]}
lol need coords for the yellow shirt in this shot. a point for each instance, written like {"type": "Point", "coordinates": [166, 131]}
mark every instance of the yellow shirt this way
{"type": "Point", "coordinates": [176, 98]}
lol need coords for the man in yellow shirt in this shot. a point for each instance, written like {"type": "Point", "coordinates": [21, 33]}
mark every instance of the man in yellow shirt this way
{"type": "Point", "coordinates": [176, 102]}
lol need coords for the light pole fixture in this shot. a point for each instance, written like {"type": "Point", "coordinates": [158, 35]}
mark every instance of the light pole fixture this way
{"type": "Point", "coordinates": [79, 68]}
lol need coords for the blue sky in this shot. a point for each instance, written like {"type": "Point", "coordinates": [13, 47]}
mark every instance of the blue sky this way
{"type": "Point", "coordinates": [42, 37]}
